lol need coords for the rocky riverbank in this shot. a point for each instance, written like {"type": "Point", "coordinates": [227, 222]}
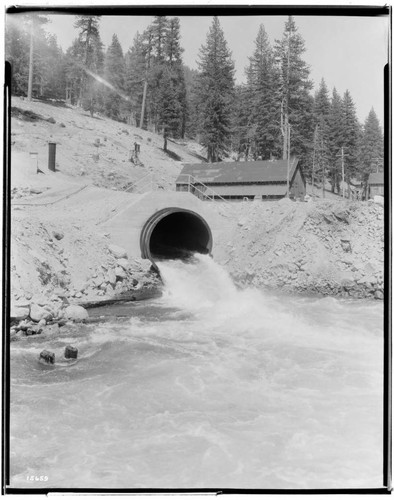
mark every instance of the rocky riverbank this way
{"type": "Point", "coordinates": [333, 248]}
{"type": "Point", "coordinates": [59, 269]}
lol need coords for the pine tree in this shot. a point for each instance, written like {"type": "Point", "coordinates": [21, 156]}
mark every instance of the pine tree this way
{"type": "Point", "coordinates": [157, 33]}
{"type": "Point", "coordinates": [321, 105]}
{"type": "Point", "coordinates": [135, 74]}
{"type": "Point", "coordinates": [158, 29]}
{"type": "Point", "coordinates": [36, 21]}
{"type": "Point", "coordinates": [351, 136]}
{"type": "Point", "coordinates": [294, 90]}
{"type": "Point", "coordinates": [214, 93]}
{"type": "Point", "coordinates": [53, 69]}
{"type": "Point", "coordinates": [17, 54]}
{"type": "Point", "coordinates": [244, 128]}
{"type": "Point", "coordinates": [74, 70]}
{"type": "Point", "coordinates": [191, 127]}
{"type": "Point", "coordinates": [172, 93]}
{"type": "Point", "coordinates": [321, 113]}
{"type": "Point", "coordinates": [335, 139]}
{"type": "Point", "coordinates": [371, 158]}
{"type": "Point", "coordinates": [262, 99]}
{"type": "Point", "coordinates": [89, 39]}
{"type": "Point", "coordinates": [172, 46]}
{"type": "Point", "coordinates": [114, 74]}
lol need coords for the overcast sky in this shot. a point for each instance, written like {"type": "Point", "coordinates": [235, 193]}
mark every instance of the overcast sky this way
{"type": "Point", "coordinates": [348, 52]}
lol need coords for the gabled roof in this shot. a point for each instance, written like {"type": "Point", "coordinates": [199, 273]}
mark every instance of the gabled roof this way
{"type": "Point", "coordinates": [376, 178]}
{"type": "Point", "coordinates": [237, 172]}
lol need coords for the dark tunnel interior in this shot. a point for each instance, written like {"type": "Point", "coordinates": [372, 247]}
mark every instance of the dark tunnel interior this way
{"type": "Point", "coordinates": [178, 235]}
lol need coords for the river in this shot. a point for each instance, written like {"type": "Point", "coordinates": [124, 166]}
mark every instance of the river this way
{"type": "Point", "coordinates": [206, 387]}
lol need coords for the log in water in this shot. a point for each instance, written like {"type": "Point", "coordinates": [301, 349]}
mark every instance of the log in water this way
{"type": "Point", "coordinates": [207, 387]}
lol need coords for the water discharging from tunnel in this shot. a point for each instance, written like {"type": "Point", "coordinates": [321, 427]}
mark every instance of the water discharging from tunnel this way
{"type": "Point", "coordinates": [207, 387]}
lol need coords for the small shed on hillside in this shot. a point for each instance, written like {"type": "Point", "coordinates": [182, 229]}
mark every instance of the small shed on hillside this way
{"type": "Point", "coordinates": [375, 184]}
{"type": "Point", "coordinates": [263, 180]}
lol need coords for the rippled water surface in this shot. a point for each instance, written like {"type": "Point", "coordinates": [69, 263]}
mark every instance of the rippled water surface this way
{"type": "Point", "coordinates": [207, 387]}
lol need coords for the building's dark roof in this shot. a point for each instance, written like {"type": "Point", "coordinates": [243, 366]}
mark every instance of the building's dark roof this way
{"type": "Point", "coordinates": [376, 178]}
{"type": "Point", "coordinates": [237, 172]}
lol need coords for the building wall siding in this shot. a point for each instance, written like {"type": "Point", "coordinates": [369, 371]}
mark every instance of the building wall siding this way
{"type": "Point", "coordinates": [376, 191]}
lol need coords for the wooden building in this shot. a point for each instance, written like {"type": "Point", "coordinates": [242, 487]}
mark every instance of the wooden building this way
{"type": "Point", "coordinates": [262, 180]}
{"type": "Point", "coordinates": [375, 184]}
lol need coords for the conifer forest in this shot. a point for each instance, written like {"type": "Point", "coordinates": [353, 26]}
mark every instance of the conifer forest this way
{"type": "Point", "coordinates": [279, 111]}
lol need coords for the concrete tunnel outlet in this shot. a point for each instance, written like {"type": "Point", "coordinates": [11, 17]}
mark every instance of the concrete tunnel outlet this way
{"type": "Point", "coordinates": [174, 233]}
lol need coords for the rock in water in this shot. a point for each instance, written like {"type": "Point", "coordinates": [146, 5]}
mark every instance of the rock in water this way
{"type": "Point", "coordinates": [71, 352]}
{"type": "Point", "coordinates": [47, 358]}
{"type": "Point", "coordinates": [76, 313]}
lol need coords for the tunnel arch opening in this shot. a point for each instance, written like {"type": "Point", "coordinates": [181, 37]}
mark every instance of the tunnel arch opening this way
{"type": "Point", "coordinates": [174, 233]}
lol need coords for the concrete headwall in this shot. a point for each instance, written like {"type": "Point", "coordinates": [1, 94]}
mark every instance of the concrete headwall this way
{"type": "Point", "coordinates": [125, 228]}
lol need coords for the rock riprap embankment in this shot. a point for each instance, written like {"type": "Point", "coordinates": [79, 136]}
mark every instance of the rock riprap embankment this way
{"type": "Point", "coordinates": [326, 247]}
{"type": "Point", "coordinates": [57, 274]}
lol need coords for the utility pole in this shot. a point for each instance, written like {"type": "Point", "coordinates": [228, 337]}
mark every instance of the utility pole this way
{"type": "Point", "coordinates": [342, 155]}
{"type": "Point", "coordinates": [288, 160]}
{"type": "Point", "coordinates": [313, 160]}
{"type": "Point", "coordinates": [343, 174]}
{"type": "Point", "coordinates": [324, 170]}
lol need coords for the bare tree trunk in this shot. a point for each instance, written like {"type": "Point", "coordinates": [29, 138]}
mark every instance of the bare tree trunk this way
{"type": "Point", "coordinates": [143, 103]}
{"type": "Point", "coordinates": [30, 84]}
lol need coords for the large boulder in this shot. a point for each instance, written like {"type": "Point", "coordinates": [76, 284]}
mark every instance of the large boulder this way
{"type": "Point", "coordinates": [38, 313]}
{"type": "Point", "coordinates": [123, 263]}
{"type": "Point", "coordinates": [19, 313]}
{"type": "Point", "coordinates": [117, 252]}
{"type": "Point", "coordinates": [120, 273]}
{"type": "Point", "coordinates": [379, 200]}
{"type": "Point", "coordinates": [76, 313]}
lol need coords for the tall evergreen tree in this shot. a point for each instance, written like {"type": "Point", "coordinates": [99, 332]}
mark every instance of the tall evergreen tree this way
{"type": "Point", "coordinates": [214, 93]}
{"type": "Point", "coordinates": [17, 54]}
{"type": "Point", "coordinates": [335, 140]}
{"type": "Point", "coordinates": [172, 45]}
{"type": "Point", "coordinates": [135, 75]}
{"type": "Point", "coordinates": [351, 136]}
{"type": "Point", "coordinates": [294, 89]}
{"type": "Point", "coordinates": [244, 128]}
{"type": "Point", "coordinates": [159, 28]}
{"type": "Point", "coordinates": [321, 105]}
{"type": "Point", "coordinates": [89, 39]}
{"type": "Point", "coordinates": [321, 113]}
{"type": "Point", "coordinates": [156, 37]}
{"type": "Point", "coordinates": [53, 69]}
{"type": "Point", "coordinates": [172, 94]}
{"type": "Point", "coordinates": [262, 98]}
{"type": "Point", "coordinates": [114, 74]}
{"type": "Point", "coordinates": [191, 127]}
{"type": "Point", "coordinates": [371, 158]}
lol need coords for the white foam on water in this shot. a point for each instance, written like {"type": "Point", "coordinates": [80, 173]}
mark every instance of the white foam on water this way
{"type": "Point", "coordinates": [244, 389]}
